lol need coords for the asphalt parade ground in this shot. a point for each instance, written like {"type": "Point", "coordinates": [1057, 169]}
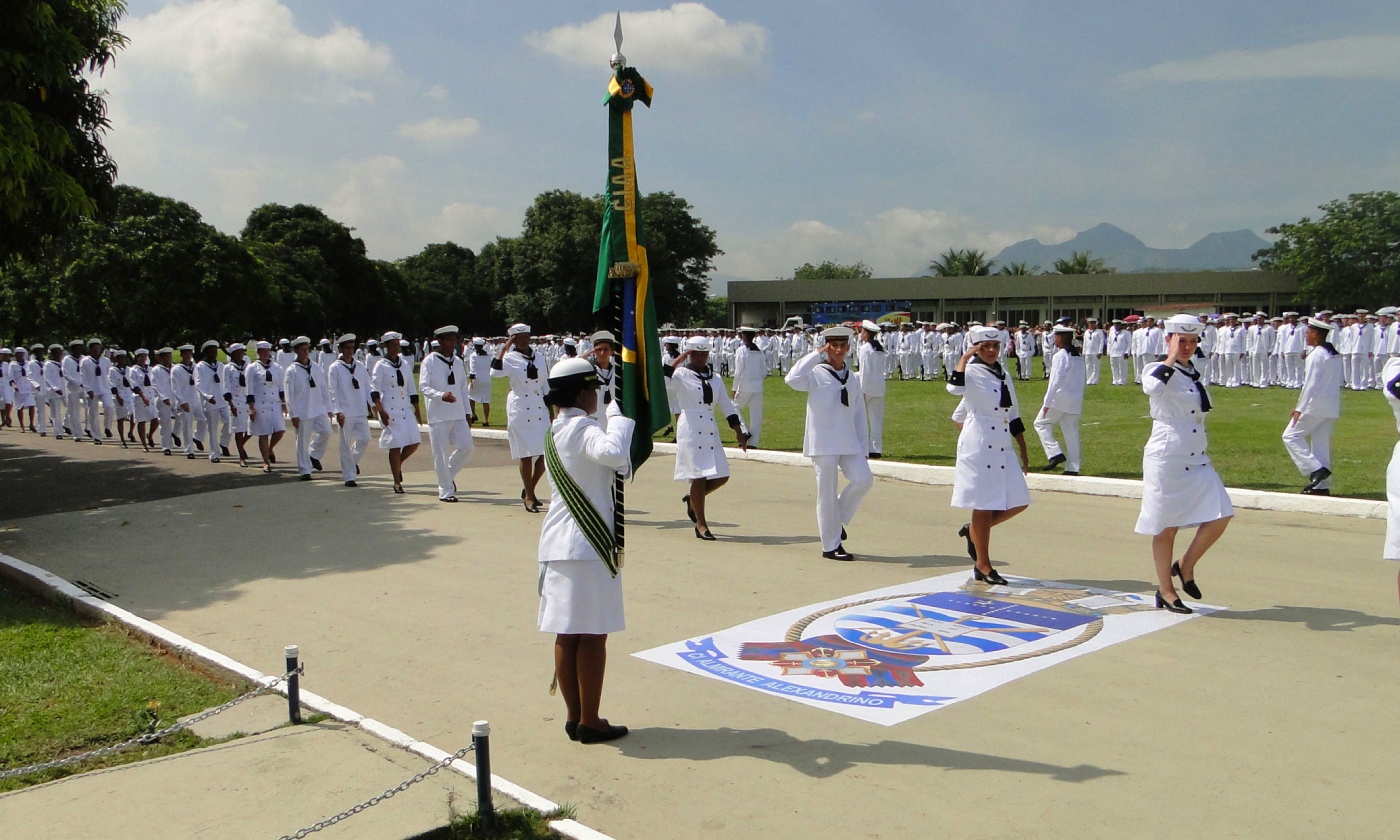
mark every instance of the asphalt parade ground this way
{"type": "Point", "coordinates": [1274, 718]}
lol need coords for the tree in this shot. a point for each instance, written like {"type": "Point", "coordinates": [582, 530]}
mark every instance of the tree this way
{"type": "Point", "coordinates": [1080, 262]}
{"type": "Point", "coordinates": [829, 270]}
{"type": "Point", "coordinates": [716, 313]}
{"type": "Point", "coordinates": [1350, 257]}
{"type": "Point", "coordinates": [956, 262]}
{"type": "Point", "coordinates": [1018, 269]}
{"type": "Point", "coordinates": [54, 170]}
{"type": "Point", "coordinates": [442, 287]}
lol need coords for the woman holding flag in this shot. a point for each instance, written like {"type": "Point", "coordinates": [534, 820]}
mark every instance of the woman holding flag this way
{"type": "Point", "coordinates": [579, 586]}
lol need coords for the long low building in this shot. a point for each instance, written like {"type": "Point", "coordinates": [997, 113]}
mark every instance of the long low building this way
{"type": "Point", "coordinates": [1033, 298]}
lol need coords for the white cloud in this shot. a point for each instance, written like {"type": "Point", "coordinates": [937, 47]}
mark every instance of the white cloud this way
{"type": "Point", "coordinates": [439, 132]}
{"type": "Point", "coordinates": [237, 49]}
{"type": "Point", "coordinates": [687, 36]}
{"type": "Point", "coordinates": [438, 92]}
{"type": "Point", "coordinates": [894, 243]}
{"type": "Point", "coordinates": [1360, 57]}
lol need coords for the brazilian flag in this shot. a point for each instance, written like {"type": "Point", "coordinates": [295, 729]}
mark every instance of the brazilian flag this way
{"type": "Point", "coordinates": [623, 279]}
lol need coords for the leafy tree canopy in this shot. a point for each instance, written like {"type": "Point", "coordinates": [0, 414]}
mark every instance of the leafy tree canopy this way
{"type": "Point", "coordinates": [957, 262]}
{"type": "Point", "coordinates": [1081, 262]}
{"type": "Point", "coordinates": [1018, 269]}
{"type": "Point", "coordinates": [830, 270]}
{"type": "Point", "coordinates": [1349, 257]}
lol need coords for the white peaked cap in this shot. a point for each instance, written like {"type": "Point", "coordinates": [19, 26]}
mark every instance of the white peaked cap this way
{"type": "Point", "coordinates": [1183, 325]}
{"type": "Point", "coordinates": [869, 325]}
{"type": "Point", "coordinates": [263, 345]}
{"type": "Point", "coordinates": [698, 343]}
{"type": "Point", "coordinates": [300, 340]}
{"type": "Point", "coordinates": [518, 329]}
{"type": "Point", "coordinates": [232, 348]}
{"type": "Point", "coordinates": [1321, 324]}
{"type": "Point", "coordinates": [977, 335]}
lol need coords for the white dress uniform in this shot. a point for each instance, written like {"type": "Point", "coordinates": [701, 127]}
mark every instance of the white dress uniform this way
{"type": "Point", "coordinates": [120, 389]}
{"type": "Point", "coordinates": [749, 373]}
{"type": "Point", "coordinates": [162, 381]}
{"type": "Point", "coordinates": [449, 434]}
{"type": "Point", "coordinates": [350, 396]}
{"type": "Point", "coordinates": [182, 386]}
{"type": "Point", "coordinates": [1120, 342]}
{"type": "Point", "coordinates": [236, 383]}
{"type": "Point", "coordinates": [24, 386]}
{"type": "Point", "coordinates": [94, 385]}
{"type": "Point", "coordinates": [527, 418]}
{"type": "Point", "coordinates": [479, 375]}
{"type": "Point", "coordinates": [607, 394]}
{"type": "Point", "coordinates": [577, 592]}
{"type": "Point", "coordinates": [265, 393]}
{"type": "Point", "coordinates": [953, 347]}
{"type": "Point", "coordinates": [1064, 403]}
{"type": "Point", "coordinates": [52, 393]}
{"type": "Point", "coordinates": [1094, 341]}
{"type": "Point", "coordinates": [836, 437]}
{"type": "Point", "coordinates": [871, 358]}
{"type": "Point", "coordinates": [1391, 388]}
{"type": "Point", "coordinates": [143, 385]}
{"type": "Point", "coordinates": [987, 475]}
{"type": "Point", "coordinates": [699, 452]}
{"type": "Point", "coordinates": [397, 392]}
{"type": "Point", "coordinates": [1309, 438]}
{"type": "Point", "coordinates": [1180, 488]}
{"type": "Point", "coordinates": [214, 404]}
{"type": "Point", "coordinates": [308, 400]}
{"type": "Point", "coordinates": [73, 396]}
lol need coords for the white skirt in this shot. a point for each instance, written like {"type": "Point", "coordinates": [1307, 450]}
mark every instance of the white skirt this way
{"type": "Point", "coordinates": [1178, 493]}
{"type": "Point", "coordinates": [268, 421]}
{"type": "Point", "coordinates": [401, 432]}
{"type": "Point", "coordinates": [579, 596]}
{"type": "Point", "coordinates": [1392, 495]}
{"type": "Point", "coordinates": [699, 451]}
{"type": "Point", "coordinates": [480, 390]}
{"type": "Point", "coordinates": [527, 423]}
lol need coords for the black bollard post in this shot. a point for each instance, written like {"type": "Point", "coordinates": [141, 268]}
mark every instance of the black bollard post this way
{"type": "Point", "coordinates": [293, 685]}
{"type": "Point", "coordinates": [481, 739]}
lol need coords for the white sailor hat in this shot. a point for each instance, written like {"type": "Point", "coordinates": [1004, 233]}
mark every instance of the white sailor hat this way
{"type": "Point", "coordinates": [1372, 318]}
{"type": "Point", "coordinates": [450, 329]}
{"type": "Point", "coordinates": [1276, 318]}
{"type": "Point", "coordinates": [300, 340]}
{"type": "Point", "coordinates": [573, 370]}
{"type": "Point", "coordinates": [92, 341]}
{"type": "Point", "coordinates": [1363, 312]}
{"type": "Point", "coordinates": [478, 341]}
{"type": "Point", "coordinates": [1023, 324]}
{"type": "Point", "coordinates": [1321, 324]}
{"type": "Point", "coordinates": [1230, 315]}
{"type": "Point", "coordinates": [1091, 320]}
{"type": "Point", "coordinates": [284, 342]}
{"type": "Point", "coordinates": [1183, 324]}
{"type": "Point", "coordinates": [325, 342]}
{"type": "Point", "coordinates": [868, 324]}
{"type": "Point", "coordinates": [748, 329]}
{"type": "Point", "coordinates": [232, 348]}
{"type": "Point", "coordinates": [183, 347]}
{"type": "Point", "coordinates": [1064, 328]}
{"type": "Point", "coordinates": [4, 351]}
{"type": "Point", "coordinates": [348, 337]}
{"type": "Point", "coordinates": [434, 343]}
{"type": "Point", "coordinates": [518, 329]}
{"type": "Point", "coordinates": [21, 350]}
{"type": "Point", "coordinates": [571, 342]}
{"type": "Point", "coordinates": [1388, 311]}
{"type": "Point", "coordinates": [371, 343]}
{"type": "Point", "coordinates": [165, 351]}
{"type": "Point", "coordinates": [698, 344]}
{"type": "Point", "coordinates": [979, 334]}
{"type": "Point", "coordinates": [77, 342]}
{"type": "Point", "coordinates": [34, 348]}
{"type": "Point", "coordinates": [604, 335]}
{"type": "Point", "coordinates": [53, 347]}
{"type": "Point", "coordinates": [263, 345]}
{"type": "Point", "coordinates": [210, 343]}
{"type": "Point", "coordinates": [142, 351]}
{"type": "Point", "coordinates": [671, 339]}
{"type": "Point", "coordinates": [390, 336]}
{"type": "Point", "coordinates": [117, 352]}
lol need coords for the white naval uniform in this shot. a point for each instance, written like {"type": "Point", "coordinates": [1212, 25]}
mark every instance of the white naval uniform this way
{"type": "Point", "coordinates": [577, 593]}
{"type": "Point", "coordinates": [1309, 438]}
{"type": "Point", "coordinates": [1391, 389]}
{"type": "Point", "coordinates": [72, 397]}
{"type": "Point", "coordinates": [162, 382]}
{"type": "Point", "coordinates": [607, 394]}
{"type": "Point", "coordinates": [25, 389]}
{"type": "Point", "coordinates": [952, 351]}
{"type": "Point", "coordinates": [214, 404]}
{"type": "Point", "coordinates": [143, 385]}
{"type": "Point", "coordinates": [836, 437]}
{"type": "Point", "coordinates": [350, 396]}
{"type": "Point", "coordinates": [1180, 488]}
{"type": "Point", "coordinates": [308, 400]}
{"type": "Point", "coordinates": [52, 395]}
{"type": "Point", "coordinates": [236, 383]}
{"type": "Point", "coordinates": [1023, 341]}
{"type": "Point", "coordinates": [749, 373]}
{"type": "Point", "coordinates": [184, 393]}
{"type": "Point", "coordinates": [94, 386]}
{"type": "Point", "coordinates": [479, 377]}
{"type": "Point", "coordinates": [1120, 343]}
{"type": "Point", "coordinates": [449, 434]}
{"type": "Point", "coordinates": [266, 394]}
{"type": "Point", "coordinates": [527, 417]}
{"type": "Point", "coordinates": [1064, 402]}
{"type": "Point", "coordinates": [398, 391]}
{"type": "Point", "coordinates": [988, 474]}
{"type": "Point", "coordinates": [699, 451]}
{"type": "Point", "coordinates": [1093, 350]}
{"type": "Point", "coordinates": [871, 356]}
{"type": "Point", "coordinates": [120, 389]}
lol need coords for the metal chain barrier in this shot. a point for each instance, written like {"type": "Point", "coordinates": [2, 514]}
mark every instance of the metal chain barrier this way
{"type": "Point", "coordinates": [370, 803]}
{"type": "Point", "coordinates": [147, 737]}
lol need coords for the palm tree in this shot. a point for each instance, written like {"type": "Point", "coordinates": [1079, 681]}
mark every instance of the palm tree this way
{"type": "Point", "coordinates": [1018, 269]}
{"type": "Point", "coordinates": [956, 262]}
{"type": "Point", "coordinates": [1080, 262]}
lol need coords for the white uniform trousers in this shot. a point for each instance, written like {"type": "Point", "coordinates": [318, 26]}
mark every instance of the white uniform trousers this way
{"type": "Point", "coordinates": [1392, 495]}
{"type": "Point", "coordinates": [166, 415]}
{"type": "Point", "coordinates": [930, 364]}
{"type": "Point", "coordinates": [91, 405]}
{"type": "Point", "coordinates": [1023, 366]}
{"type": "Point", "coordinates": [354, 441]}
{"type": "Point", "coordinates": [875, 417]}
{"type": "Point", "coordinates": [908, 365]}
{"type": "Point", "coordinates": [1091, 369]}
{"type": "Point", "coordinates": [313, 435]}
{"type": "Point", "coordinates": [1377, 380]}
{"type": "Point", "coordinates": [1366, 373]}
{"type": "Point", "coordinates": [950, 364]}
{"type": "Point", "coordinates": [187, 424]}
{"type": "Point", "coordinates": [1118, 368]}
{"type": "Point", "coordinates": [213, 418]}
{"type": "Point", "coordinates": [1293, 370]}
{"type": "Point", "coordinates": [1230, 370]}
{"type": "Point", "coordinates": [1348, 366]}
{"type": "Point", "coordinates": [109, 408]}
{"type": "Point", "coordinates": [452, 446]}
{"type": "Point", "coordinates": [753, 401]}
{"type": "Point", "coordinates": [51, 410]}
{"type": "Point", "coordinates": [1259, 370]}
{"type": "Point", "coordinates": [73, 412]}
{"type": "Point", "coordinates": [1139, 361]}
{"type": "Point", "coordinates": [836, 510]}
{"type": "Point", "coordinates": [1045, 423]}
{"type": "Point", "coordinates": [1309, 444]}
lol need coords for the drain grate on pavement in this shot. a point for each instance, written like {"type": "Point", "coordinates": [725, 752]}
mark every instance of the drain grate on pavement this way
{"type": "Point", "coordinates": [93, 589]}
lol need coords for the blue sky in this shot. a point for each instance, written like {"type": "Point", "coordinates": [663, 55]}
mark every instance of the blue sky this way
{"type": "Point", "coordinates": [800, 131]}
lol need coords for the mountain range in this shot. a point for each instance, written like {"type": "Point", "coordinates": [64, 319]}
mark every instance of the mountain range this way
{"type": "Point", "coordinates": [1125, 252]}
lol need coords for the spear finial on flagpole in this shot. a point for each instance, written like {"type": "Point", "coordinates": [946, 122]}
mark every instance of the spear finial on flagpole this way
{"type": "Point", "coordinates": [618, 60]}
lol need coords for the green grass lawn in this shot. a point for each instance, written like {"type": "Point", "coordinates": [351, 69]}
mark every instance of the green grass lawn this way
{"type": "Point", "coordinates": [1244, 427]}
{"type": "Point", "coordinates": [69, 686]}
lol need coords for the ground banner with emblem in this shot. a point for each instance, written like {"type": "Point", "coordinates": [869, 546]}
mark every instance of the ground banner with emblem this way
{"type": "Point", "coordinates": [896, 653]}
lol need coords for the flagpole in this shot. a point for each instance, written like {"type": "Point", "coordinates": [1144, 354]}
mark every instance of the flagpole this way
{"type": "Point", "coordinates": [617, 62]}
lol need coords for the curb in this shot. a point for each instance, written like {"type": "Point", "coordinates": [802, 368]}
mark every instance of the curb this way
{"type": "Point", "coordinates": [52, 586]}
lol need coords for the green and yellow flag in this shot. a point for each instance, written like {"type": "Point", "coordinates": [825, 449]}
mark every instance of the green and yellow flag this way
{"type": "Point", "coordinates": [623, 280]}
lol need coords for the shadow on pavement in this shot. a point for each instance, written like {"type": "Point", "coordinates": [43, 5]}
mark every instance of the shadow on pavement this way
{"type": "Point", "coordinates": [917, 561]}
{"type": "Point", "coordinates": [1316, 618]}
{"type": "Point", "coordinates": [822, 758]}
{"type": "Point", "coordinates": [1113, 585]}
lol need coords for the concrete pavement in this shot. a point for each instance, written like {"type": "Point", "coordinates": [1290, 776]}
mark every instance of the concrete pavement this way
{"type": "Point", "coordinates": [1267, 720]}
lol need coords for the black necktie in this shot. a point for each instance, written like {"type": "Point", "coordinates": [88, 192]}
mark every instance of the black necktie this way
{"type": "Point", "coordinates": [707, 393]}
{"type": "Point", "coordinates": [215, 368]}
{"type": "Point", "coordinates": [845, 396]}
{"type": "Point", "coordinates": [354, 383]}
{"type": "Point", "coordinates": [607, 389]}
{"type": "Point", "coordinates": [311, 380]}
{"type": "Point", "coordinates": [531, 372]}
{"type": "Point", "coordinates": [1200, 388]}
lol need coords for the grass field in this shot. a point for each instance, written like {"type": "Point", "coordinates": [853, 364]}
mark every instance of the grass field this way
{"type": "Point", "coordinates": [68, 686]}
{"type": "Point", "coordinates": [1244, 428]}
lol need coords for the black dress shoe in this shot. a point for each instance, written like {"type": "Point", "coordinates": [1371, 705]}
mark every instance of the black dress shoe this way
{"type": "Point", "coordinates": [1070, 472]}
{"type": "Point", "coordinates": [454, 498]}
{"type": "Point", "coordinates": [108, 432]}
{"type": "Point", "coordinates": [1172, 606]}
{"type": "Point", "coordinates": [589, 735]}
{"type": "Point", "coordinates": [176, 438]}
{"type": "Point", "coordinates": [966, 533]}
{"type": "Point", "coordinates": [199, 445]}
{"type": "Point", "coordinates": [704, 535]}
{"type": "Point", "coordinates": [189, 456]}
{"type": "Point", "coordinates": [838, 553]}
{"type": "Point", "coordinates": [689, 511]}
{"type": "Point", "coordinates": [1189, 585]}
{"type": "Point", "coordinates": [351, 484]}
{"type": "Point", "coordinates": [873, 456]}
{"type": "Point", "coordinates": [1321, 491]}
{"type": "Point", "coordinates": [1318, 476]}
{"type": "Point", "coordinates": [223, 450]}
{"type": "Point", "coordinates": [992, 577]}
{"type": "Point", "coordinates": [306, 477]}
{"type": "Point", "coordinates": [1056, 461]}
{"type": "Point", "coordinates": [315, 465]}
{"type": "Point", "coordinates": [571, 729]}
